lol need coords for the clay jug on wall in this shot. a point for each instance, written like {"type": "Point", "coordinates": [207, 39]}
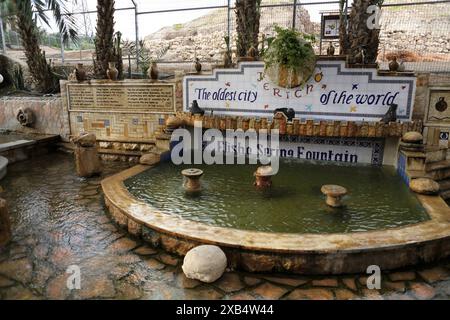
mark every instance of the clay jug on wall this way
{"type": "Point", "coordinates": [401, 66]}
{"type": "Point", "coordinates": [393, 65]}
{"type": "Point", "coordinates": [252, 54]}
{"type": "Point", "coordinates": [198, 65]}
{"type": "Point", "coordinates": [330, 49]}
{"type": "Point", "coordinates": [153, 71]}
{"type": "Point", "coordinates": [227, 61]}
{"type": "Point", "coordinates": [80, 72]}
{"type": "Point", "coordinates": [112, 72]}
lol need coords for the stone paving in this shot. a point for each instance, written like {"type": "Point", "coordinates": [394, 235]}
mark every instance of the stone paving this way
{"type": "Point", "coordinates": [60, 220]}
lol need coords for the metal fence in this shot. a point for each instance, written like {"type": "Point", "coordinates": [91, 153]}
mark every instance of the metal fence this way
{"type": "Point", "coordinates": [416, 31]}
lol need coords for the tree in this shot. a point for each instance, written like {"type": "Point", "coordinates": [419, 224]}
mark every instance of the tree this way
{"type": "Point", "coordinates": [104, 43]}
{"type": "Point", "coordinates": [343, 37]}
{"type": "Point", "coordinates": [360, 36]}
{"type": "Point", "coordinates": [248, 15]}
{"type": "Point", "coordinates": [27, 13]}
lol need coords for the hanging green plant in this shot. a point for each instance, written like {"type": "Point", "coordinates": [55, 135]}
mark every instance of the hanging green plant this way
{"type": "Point", "coordinates": [290, 59]}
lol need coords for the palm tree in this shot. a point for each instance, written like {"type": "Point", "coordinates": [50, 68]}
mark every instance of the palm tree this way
{"type": "Point", "coordinates": [27, 13]}
{"type": "Point", "coordinates": [343, 38]}
{"type": "Point", "coordinates": [248, 14]}
{"type": "Point", "coordinates": [358, 36]}
{"type": "Point", "coordinates": [104, 43]}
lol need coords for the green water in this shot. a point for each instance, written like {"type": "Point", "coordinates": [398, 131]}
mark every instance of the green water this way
{"type": "Point", "coordinates": [377, 198]}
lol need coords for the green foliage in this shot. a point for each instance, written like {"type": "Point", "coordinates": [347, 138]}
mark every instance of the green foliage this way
{"type": "Point", "coordinates": [289, 48]}
{"type": "Point", "coordinates": [38, 10]}
{"type": "Point", "coordinates": [145, 55]}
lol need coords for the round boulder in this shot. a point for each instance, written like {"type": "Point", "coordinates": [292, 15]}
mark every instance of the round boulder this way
{"type": "Point", "coordinates": [412, 137]}
{"type": "Point", "coordinates": [424, 186]}
{"type": "Point", "coordinates": [206, 263]}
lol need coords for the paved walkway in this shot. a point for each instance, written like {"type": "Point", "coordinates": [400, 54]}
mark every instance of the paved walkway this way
{"type": "Point", "coordinates": [59, 220]}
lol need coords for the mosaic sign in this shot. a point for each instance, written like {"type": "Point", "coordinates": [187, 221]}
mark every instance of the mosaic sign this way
{"type": "Point", "coordinates": [342, 150]}
{"type": "Point", "coordinates": [151, 98]}
{"type": "Point", "coordinates": [338, 150]}
{"type": "Point", "coordinates": [118, 111]}
{"type": "Point", "coordinates": [439, 106]}
{"type": "Point", "coordinates": [333, 92]}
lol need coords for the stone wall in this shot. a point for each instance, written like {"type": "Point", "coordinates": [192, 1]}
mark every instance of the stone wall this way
{"type": "Point", "coordinates": [50, 118]}
{"type": "Point", "coordinates": [422, 30]}
{"type": "Point", "coordinates": [425, 81]}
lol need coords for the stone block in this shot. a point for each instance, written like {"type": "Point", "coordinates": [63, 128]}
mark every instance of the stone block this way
{"type": "Point", "coordinates": [424, 186]}
{"type": "Point", "coordinates": [87, 161]}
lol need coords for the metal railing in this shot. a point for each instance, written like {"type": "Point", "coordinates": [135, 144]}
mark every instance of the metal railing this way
{"type": "Point", "coordinates": [291, 16]}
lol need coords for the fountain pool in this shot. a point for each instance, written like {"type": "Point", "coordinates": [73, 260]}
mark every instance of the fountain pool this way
{"type": "Point", "coordinates": [287, 227]}
{"type": "Point", "coordinates": [377, 198]}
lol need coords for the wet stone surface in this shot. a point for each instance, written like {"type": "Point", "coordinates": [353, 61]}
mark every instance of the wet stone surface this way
{"type": "Point", "coordinates": [59, 220]}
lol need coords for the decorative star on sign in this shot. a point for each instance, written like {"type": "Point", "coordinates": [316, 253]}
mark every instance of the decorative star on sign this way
{"type": "Point", "coordinates": [324, 86]}
{"type": "Point", "coordinates": [353, 109]}
{"type": "Point", "coordinates": [266, 106]}
{"type": "Point", "coordinates": [355, 86]}
{"type": "Point", "coordinates": [228, 84]}
{"type": "Point", "coordinates": [308, 107]}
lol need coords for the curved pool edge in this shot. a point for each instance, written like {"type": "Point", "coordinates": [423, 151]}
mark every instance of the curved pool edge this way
{"type": "Point", "coordinates": [284, 252]}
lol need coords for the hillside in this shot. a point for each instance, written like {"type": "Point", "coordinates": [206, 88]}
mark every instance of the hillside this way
{"type": "Point", "coordinates": [203, 37]}
{"type": "Point", "coordinates": [422, 33]}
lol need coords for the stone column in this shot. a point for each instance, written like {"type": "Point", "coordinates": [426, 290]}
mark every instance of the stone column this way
{"type": "Point", "coordinates": [5, 224]}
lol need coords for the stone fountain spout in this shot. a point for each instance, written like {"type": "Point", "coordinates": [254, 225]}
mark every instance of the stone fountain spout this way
{"type": "Point", "coordinates": [263, 177]}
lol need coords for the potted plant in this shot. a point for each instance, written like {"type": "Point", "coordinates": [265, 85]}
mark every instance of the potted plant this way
{"type": "Point", "coordinates": [290, 59]}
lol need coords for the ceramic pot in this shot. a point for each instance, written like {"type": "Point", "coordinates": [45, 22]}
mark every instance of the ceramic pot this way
{"type": "Point", "coordinates": [80, 72]}
{"type": "Point", "coordinates": [330, 50]}
{"type": "Point", "coordinates": [393, 65]}
{"type": "Point", "coordinates": [112, 72]}
{"type": "Point", "coordinates": [293, 77]}
{"type": "Point", "coordinates": [227, 59]}
{"type": "Point", "coordinates": [252, 54]}
{"type": "Point", "coordinates": [198, 66]}
{"type": "Point", "coordinates": [153, 71]}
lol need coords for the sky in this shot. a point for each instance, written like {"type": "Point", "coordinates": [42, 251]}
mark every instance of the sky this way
{"type": "Point", "coordinates": [149, 23]}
